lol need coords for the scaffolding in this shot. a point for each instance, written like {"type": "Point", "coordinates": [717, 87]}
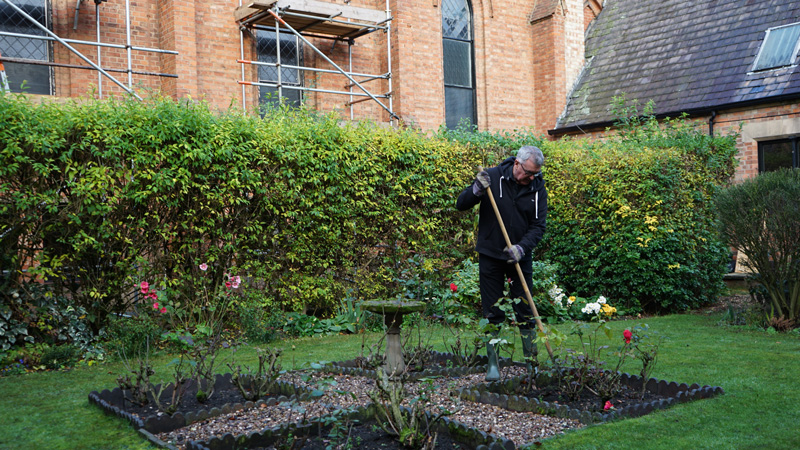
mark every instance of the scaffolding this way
{"type": "Point", "coordinates": [322, 20]}
{"type": "Point", "coordinates": [102, 72]}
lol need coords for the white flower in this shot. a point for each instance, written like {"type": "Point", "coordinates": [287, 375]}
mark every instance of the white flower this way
{"type": "Point", "coordinates": [591, 308]}
{"type": "Point", "coordinates": [601, 300]}
{"type": "Point", "coordinates": [204, 267]}
{"type": "Point", "coordinates": [557, 294]}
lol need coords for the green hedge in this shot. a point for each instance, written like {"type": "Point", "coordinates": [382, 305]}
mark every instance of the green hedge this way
{"type": "Point", "coordinates": [632, 217]}
{"type": "Point", "coordinates": [102, 195]}
{"type": "Point", "coordinates": [635, 225]}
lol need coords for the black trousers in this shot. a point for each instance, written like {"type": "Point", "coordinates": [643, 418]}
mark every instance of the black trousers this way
{"type": "Point", "coordinates": [493, 276]}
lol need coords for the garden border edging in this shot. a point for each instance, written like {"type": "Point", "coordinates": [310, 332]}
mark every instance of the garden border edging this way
{"type": "Point", "coordinates": [111, 401]}
{"type": "Point", "coordinates": [493, 393]}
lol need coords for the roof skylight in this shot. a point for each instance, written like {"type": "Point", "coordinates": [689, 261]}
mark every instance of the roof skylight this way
{"type": "Point", "coordinates": [779, 48]}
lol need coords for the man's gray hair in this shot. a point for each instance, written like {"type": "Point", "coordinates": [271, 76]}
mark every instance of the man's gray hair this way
{"type": "Point", "coordinates": [530, 152]}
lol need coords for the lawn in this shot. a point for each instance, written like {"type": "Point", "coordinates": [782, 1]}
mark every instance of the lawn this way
{"type": "Point", "coordinates": [758, 371]}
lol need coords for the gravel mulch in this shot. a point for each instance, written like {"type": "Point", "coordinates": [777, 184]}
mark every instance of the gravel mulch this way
{"type": "Point", "coordinates": [344, 391]}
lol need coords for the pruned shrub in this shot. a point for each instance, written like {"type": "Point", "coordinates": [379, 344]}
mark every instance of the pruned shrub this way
{"type": "Point", "coordinates": [761, 218]}
{"type": "Point", "coordinates": [634, 224]}
{"type": "Point", "coordinates": [102, 195]}
{"type": "Point", "coordinates": [632, 217]}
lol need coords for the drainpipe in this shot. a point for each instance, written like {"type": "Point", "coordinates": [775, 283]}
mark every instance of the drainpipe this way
{"type": "Point", "coordinates": [711, 123]}
{"type": "Point", "coordinates": [77, 9]}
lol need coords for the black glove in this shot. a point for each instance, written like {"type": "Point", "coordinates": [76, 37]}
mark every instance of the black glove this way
{"type": "Point", "coordinates": [513, 254]}
{"type": "Point", "coordinates": [481, 183]}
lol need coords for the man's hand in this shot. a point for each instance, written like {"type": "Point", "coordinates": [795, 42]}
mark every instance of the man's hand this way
{"type": "Point", "coordinates": [481, 183]}
{"type": "Point", "coordinates": [513, 254]}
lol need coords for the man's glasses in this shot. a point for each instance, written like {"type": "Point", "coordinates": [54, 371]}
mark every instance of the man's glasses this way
{"type": "Point", "coordinates": [527, 172]}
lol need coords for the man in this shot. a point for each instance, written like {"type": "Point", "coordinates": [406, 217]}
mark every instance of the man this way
{"type": "Point", "coordinates": [519, 191]}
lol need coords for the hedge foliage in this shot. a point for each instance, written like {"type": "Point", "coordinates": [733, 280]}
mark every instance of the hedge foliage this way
{"type": "Point", "coordinates": [102, 195]}
{"type": "Point", "coordinates": [98, 196]}
{"type": "Point", "coordinates": [632, 217]}
{"type": "Point", "coordinates": [635, 225]}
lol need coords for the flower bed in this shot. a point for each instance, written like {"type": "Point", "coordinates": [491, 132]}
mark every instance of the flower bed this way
{"type": "Point", "coordinates": [153, 421]}
{"type": "Point", "coordinates": [661, 394]}
{"type": "Point", "coordinates": [453, 435]}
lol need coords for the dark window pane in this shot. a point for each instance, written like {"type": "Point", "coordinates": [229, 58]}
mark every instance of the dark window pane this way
{"type": "Point", "coordinates": [269, 95]}
{"type": "Point", "coordinates": [775, 155]}
{"type": "Point", "coordinates": [459, 104]}
{"type": "Point", "coordinates": [457, 63]}
{"type": "Point", "coordinates": [36, 79]}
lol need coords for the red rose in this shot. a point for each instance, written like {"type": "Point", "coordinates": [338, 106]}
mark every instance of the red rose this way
{"type": "Point", "coordinates": [453, 287]}
{"type": "Point", "coordinates": [627, 335]}
{"type": "Point", "coordinates": [608, 404]}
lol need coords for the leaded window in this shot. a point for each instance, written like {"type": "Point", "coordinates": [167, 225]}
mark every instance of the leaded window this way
{"type": "Point", "coordinates": [458, 63]}
{"type": "Point", "coordinates": [29, 78]}
{"type": "Point", "coordinates": [267, 47]}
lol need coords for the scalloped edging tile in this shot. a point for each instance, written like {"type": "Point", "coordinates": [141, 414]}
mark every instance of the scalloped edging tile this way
{"type": "Point", "coordinates": [495, 393]}
{"type": "Point", "coordinates": [112, 401]}
{"type": "Point", "coordinates": [471, 438]}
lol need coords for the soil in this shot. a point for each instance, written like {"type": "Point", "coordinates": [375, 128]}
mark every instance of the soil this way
{"type": "Point", "coordinates": [223, 395]}
{"type": "Point", "coordinates": [735, 301]}
{"type": "Point", "coordinates": [364, 437]}
{"type": "Point", "coordinates": [588, 401]}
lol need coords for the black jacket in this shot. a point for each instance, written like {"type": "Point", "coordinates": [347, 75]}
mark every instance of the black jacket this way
{"type": "Point", "coordinates": [523, 208]}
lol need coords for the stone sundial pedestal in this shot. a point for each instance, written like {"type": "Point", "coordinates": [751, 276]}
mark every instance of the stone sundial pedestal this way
{"type": "Point", "coordinates": [393, 312]}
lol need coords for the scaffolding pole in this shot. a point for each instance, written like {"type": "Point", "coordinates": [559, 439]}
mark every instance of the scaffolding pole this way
{"type": "Point", "coordinates": [316, 20]}
{"type": "Point", "coordinates": [51, 36]}
{"type": "Point", "coordinates": [330, 61]}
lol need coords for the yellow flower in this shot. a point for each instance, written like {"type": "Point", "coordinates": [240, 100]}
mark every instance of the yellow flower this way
{"type": "Point", "coordinates": [608, 309]}
{"type": "Point", "coordinates": [571, 299]}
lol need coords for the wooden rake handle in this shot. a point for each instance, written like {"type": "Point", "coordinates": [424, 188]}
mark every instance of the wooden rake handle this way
{"type": "Point", "coordinates": [519, 271]}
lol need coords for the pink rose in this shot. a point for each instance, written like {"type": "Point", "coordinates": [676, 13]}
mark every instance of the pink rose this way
{"type": "Point", "coordinates": [228, 284]}
{"type": "Point", "coordinates": [163, 310]}
{"type": "Point", "coordinates": [145, 286]}
{"type": "Point", "coordinates": [236, 281]}
{"type": "Point", "coordinates": [453, 287]}
{"type": "Point", "coordinates": [152, 295]}
{"type": "Point", "coordinates": [627, 335]}
{"type": "Point", "coordinates": [155, 305]}
{"type": "Point", "coordinates": [204, 267]}
{"type": "Point", "coordinates": [607, 406]}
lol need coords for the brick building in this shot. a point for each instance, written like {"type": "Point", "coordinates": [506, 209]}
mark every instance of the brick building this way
{"type": "Point", "coordinates": [500, 64]}
{"type": "Point", "coordinates": [547, 65]}
{"type": "Point", "coordinates": [726, 64]}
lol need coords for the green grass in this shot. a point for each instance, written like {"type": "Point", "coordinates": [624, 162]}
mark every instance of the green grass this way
{"type": "Point", "coordinates": [758, 371]}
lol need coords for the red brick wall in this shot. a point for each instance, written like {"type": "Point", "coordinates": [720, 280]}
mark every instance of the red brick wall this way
{"type": "Point", "coordinates": [523, 71]}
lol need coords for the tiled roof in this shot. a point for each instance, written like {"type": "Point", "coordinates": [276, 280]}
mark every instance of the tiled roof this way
{"type": "Point", "coordinates": [685, 55]}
